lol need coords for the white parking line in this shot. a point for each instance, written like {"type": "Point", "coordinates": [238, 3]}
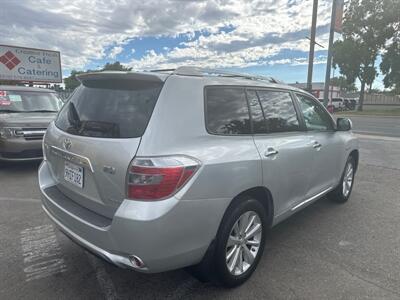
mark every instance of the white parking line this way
{"type": "Point", "coordinates": [19, 199]}
{"type": "Point", "coordinates": [41, 252]}
{"type": "Point", "coordinates": [103, 279]}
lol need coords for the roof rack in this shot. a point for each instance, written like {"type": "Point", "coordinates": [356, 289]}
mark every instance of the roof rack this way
{"type": "Point", "coordinates": [201, 72]}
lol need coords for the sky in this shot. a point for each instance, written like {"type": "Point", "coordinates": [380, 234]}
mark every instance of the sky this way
{"type": "Point", "coordinates": [264, 37]}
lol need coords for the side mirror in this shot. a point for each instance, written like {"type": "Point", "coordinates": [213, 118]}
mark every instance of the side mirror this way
{"type": "Point", "coordinates": [343, 124]}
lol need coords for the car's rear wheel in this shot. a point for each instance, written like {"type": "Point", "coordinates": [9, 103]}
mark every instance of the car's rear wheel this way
{"type": "Point", "coordinates": [343, 191]}
{"type": "Point", "coordinates": [239, 244]}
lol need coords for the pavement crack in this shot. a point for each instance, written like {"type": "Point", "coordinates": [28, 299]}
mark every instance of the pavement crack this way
{"type": "Point", "coordinates": [343, 267]}
{"type": "Point", "coordinates": [370, 281]}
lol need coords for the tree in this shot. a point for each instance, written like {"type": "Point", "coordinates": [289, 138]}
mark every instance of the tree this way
{"type": "Point", "coordinates": [115, 67]}
{"type": "Point", "coordinates": [390, 65]}
{"type": "Point", "coordinates": [343, 83]}
{"type": "Point", "coordinates": [364, 35]}
{"type": "Point", "coordinates": [8, 82]}
{"type": "Point", "coordinates": [71, 82]}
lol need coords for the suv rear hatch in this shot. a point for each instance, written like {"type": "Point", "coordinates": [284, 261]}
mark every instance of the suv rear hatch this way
{"type": "Point", "coordinates": [97, 134]}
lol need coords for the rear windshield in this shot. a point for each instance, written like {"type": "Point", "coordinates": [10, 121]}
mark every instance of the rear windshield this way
{"type": "Point", "coordinates": [110, 108]}
{"type": "Point", "coordinates": [20, 101]}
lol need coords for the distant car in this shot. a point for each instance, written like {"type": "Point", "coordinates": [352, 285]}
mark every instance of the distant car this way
{"type": "Point", "coordinates": [154, 171]}
{"type": "Point", "coordinates": [338, 104]}
{"type": "Point", "coordinates": [353, 103]}
{"type": "Point", "coordinates": [25, 113]}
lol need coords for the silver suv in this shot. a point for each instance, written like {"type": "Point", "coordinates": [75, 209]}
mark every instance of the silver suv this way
{"type": "Point", "coordinates": [156, 171]}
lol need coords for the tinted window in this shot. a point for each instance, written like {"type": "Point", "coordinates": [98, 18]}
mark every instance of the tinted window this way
{"type": "Point", "coordinates": [257, 115]}
{"type": "Point", "coordinates": [19, 101]}
{"type": "Point", "coordinates": [227, 111]}
{"type": "Point", "coordinates": [110, 108]}
{"type": "Point", "coordinates": [315, 117]}
{"type": "Point", "coordinates": [279, 111]}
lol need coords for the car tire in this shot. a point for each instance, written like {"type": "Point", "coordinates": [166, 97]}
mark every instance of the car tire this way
{"type": "Point", "coordinates": [242, 236]}
{"type": "Point", "coordinates": [342, 192]}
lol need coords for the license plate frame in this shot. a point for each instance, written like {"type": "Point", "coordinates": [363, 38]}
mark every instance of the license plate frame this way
{"type": "Point", "coordinates": [74, 174]}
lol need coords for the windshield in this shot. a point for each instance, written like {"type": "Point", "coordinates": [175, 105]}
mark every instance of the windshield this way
{"type": "Point", "coordinates": [20, 101]}
{"type": "Point", "coordinates": [110, 108]}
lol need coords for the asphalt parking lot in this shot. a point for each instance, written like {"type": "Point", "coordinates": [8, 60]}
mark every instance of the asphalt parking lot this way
{"type": "Point", "coordinates": [326, 251]}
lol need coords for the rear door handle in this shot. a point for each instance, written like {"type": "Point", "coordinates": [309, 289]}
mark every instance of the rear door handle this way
{"type": "Point", "coordinates": [270, 152]}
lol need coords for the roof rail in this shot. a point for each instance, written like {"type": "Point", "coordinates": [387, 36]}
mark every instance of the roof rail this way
{"type": "Point", "coordinates": [201, 72]}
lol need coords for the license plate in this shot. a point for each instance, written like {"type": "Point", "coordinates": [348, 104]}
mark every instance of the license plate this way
{"type": "Point", "coordinates": [73, 174]}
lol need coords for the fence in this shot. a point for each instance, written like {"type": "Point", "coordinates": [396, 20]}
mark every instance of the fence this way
{"type": "Point", "coordinates": [376, 99]}
{"type": "Point", "coordinates": [379, 99]}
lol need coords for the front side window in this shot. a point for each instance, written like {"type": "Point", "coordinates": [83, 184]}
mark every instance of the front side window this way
{"type": "Point", "coordinates": [315, 117]}
{"type": "Point", "coordinates": [227, 112]}
{"type": "Point", "coordinates": [279, 111]}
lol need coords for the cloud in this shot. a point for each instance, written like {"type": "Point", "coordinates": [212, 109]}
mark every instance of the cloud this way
{"type": "Point", "coordinates": [85, 30]}
{"type": "Point", "coordinates": [115, 51]}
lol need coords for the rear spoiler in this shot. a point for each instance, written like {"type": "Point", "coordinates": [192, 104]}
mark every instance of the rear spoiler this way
{"type": "Point", "coordinates": [145, 76]}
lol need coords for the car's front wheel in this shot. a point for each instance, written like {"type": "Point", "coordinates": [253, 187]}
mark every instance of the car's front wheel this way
{"type": "Point", "coordinates": [342, 192]}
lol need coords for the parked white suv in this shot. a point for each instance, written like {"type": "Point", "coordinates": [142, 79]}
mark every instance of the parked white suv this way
{"type": "Point", "coordinates": [156, 171]}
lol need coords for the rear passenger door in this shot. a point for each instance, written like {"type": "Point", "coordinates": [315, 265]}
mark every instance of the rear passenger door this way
{"type": "Point", "coordinates": [284, 149]}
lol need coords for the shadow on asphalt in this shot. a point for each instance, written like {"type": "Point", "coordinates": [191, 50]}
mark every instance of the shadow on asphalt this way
{"type": "Point", "coordinates": [291, 233]}
{"type": "Point", "coordinates": [23, 166]}
{"type": "Point", "coordinates": [180, 284]}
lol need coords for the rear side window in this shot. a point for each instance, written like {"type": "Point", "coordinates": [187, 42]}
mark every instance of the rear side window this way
{"type": "Point", "coordinates": [110, 108]}
{"type": "Point", "coordinates": [279, 111]}
{"type": "Point", "coordinates": [227, 111]}
{"type": "Point", "coordinates": [257, 115]}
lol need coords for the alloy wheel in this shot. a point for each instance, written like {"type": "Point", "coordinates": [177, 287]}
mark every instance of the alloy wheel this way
{"type": "Point", "coordinates": [243, 243]}
{"type": "Point", "coordinates": [348, 179]}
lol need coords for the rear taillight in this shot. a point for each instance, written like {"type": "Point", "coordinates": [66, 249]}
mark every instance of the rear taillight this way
{"type": "Point", "coordinates": [157, 178]}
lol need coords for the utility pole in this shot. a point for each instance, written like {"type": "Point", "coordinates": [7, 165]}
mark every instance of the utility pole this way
{"type": "Point", "coordinates": [329, 59]}
{"type": "Point", "coordinates": [312, 46]}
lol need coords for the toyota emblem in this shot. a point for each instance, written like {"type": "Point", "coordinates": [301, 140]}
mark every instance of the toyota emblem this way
{"type": "Point", "coordinates": [67, 144]}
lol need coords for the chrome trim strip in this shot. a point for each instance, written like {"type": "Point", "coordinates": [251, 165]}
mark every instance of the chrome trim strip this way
{"type": "Point", "coordinates": [311, 199]}
{"type": "Point", "coordinates": [72, 157]}
{"type": "Point", "coordinates": [34, 132]}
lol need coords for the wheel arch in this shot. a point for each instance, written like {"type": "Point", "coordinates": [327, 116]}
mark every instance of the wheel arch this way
{"type": "Point", "coordinates": [356, 155]}
{"type": "Point", "coordinates": [263, 195]}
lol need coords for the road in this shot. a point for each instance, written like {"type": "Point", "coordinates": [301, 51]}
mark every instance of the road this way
{"type": "Point", "coordinates": [326, 251]}
{"type": "Point", "coordinates": [385, 126]}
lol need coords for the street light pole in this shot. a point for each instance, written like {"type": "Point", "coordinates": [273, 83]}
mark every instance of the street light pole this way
{"type": "Point", "coordinates": [329, 58]}
{"type": "Point", "coordinates": [312, 46]}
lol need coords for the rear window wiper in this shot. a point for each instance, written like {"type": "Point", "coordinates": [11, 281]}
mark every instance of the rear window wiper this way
{"type": "Point", "coordinates": [73, 116]}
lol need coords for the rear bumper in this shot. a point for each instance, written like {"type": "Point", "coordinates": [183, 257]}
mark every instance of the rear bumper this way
{"type": "Point", "coordinates": [19, 149]}
{"type": "Point", "coordinates": [165, 235]}
{"type": "Point", "coordinates": [121, 261]}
